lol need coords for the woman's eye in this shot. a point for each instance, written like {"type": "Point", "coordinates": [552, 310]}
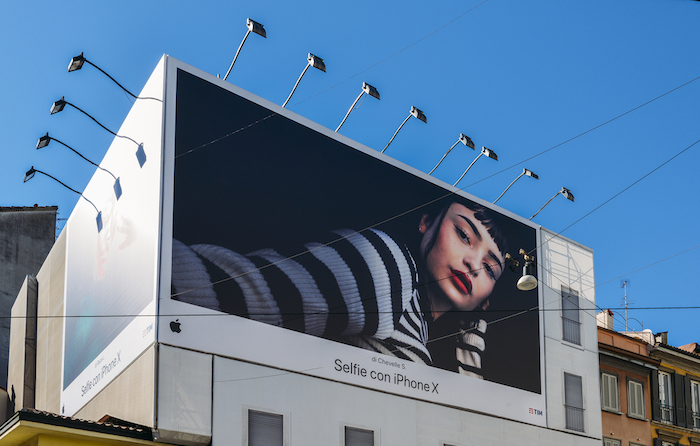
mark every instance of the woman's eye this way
{"type": "Point", "coordinates": [489, 270]}
{"type": "Point", "coordinates": [461, 234]}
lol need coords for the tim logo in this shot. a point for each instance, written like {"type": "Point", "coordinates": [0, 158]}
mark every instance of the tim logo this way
{"type": "Point", "coordinates": [147, 330]}
{"type": "Point", "coordinates": [535, 411]}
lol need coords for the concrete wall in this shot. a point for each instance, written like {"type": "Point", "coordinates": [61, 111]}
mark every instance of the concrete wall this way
{"type": "Point", "coordinates": [130, 396]}
{"type": "Point", "coordinates": [49, 348]}
{"type": "Point", "coordinates": [22, 364]}
{"type": "Point", "coordinates": [26, 236]}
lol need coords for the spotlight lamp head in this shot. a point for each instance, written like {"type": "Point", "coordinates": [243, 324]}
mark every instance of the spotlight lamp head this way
{"type": "Point", "coordinates": [490, 153]}
{"type": "Point", "coordinates": [316, 62]}
{"type": "Point", "coordinates": [467, 141]}
{"type": "Point", "coordinates": [530, 173]}
{"type": "Point", "coordinates": [527, 281]}
{"type": "Point", "coordinates": [43, 141]}
{"type": "Point", "coordinates": [58, 105]}
{"type": "Point", "coordinates": [76, 63]}
{"type": "Point", "coordinates": [567, 193]}
{"type": "Point", "coordinates": [370, 90]}
{"type": "Point", "coordinates": [418, 114]}
{"type": "Point", "coordinates": [256, 27]}
{"type": "Point", "coordinates": [30, 174]}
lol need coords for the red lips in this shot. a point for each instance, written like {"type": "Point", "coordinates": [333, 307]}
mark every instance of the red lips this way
{"type": "Point", "coordinates": [461, 279]}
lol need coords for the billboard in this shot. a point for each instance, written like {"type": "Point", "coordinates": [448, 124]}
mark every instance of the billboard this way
{"type": "Point", "coordinates": [112, 269]}
{"type": "Point", "coordinates": [295, 247]}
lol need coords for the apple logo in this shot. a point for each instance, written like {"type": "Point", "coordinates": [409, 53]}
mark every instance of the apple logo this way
{"type": "Point", "coordinates": [175, 326]}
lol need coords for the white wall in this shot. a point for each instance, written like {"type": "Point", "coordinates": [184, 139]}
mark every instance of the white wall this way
{"type": "Point", "coordinates": [316, 410]}
{"type": "Point", "coordinates": [565, 263]}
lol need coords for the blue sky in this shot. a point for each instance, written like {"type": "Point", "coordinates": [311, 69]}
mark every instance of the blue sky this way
{"type": "Point", "coordinates": [517, 77]}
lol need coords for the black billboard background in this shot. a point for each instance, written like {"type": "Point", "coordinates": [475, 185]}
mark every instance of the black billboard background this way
{"type": "Point", "coordinates": [274, 183]}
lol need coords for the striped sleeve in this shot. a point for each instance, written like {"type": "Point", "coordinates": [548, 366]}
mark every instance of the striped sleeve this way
{"type": "Point", "coordinates": [360, 288]}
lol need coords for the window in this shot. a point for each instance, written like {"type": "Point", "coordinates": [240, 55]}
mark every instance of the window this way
{"type": "Point", "coordinates": [695, 398]}
{"type": "Point", "coordinates": [635, 399]}
{"type": "Point", "coordinates": [265, 429]}
{"type": "Point", "coordinates": [573, 402]}
{"type": "Point", "coordinates": [611, 442]}
{"type": "Point", "coordinates": [570, 316]}
{"type": "Point", "coordinates": [609, 392]}
{"type": "Point", "coordinates": [665, 397]}
{"type": "Point", "coordinates": [358, 437]}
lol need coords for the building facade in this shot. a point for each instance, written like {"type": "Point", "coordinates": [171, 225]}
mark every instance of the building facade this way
{"type": "Point", "coordinates": [675, 396]}
{"type": "Point", "coordinates": [625, 370]}
{"type": "Point", "coordinates": [212, 308]}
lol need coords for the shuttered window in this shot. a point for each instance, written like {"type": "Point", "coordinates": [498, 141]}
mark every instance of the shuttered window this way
{"type": "Point", "coordinates": [571, 324]}
{"type": "Point", "coordinates": [635, 400]}
{"type": "Point", "coordinates": [265, 429]}
{"type": "Point", "coordinates": [358, 437]}
{"type": "Point", "coordinates": [611, 442]}
{"type": "Point", "coordinates": [573, 402]}
{"type": "Point", "coordinates": [610, 395]}
{"type": "Point", "coordinates": [666, 397]}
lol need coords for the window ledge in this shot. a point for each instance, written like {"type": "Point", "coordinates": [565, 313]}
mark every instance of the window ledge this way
{"type": "Point", "coordinates": [571, 344]}
{"type": "Point", "coordinates": [637, 418]}
{"type": "Point", "coordinates": [612, 411]}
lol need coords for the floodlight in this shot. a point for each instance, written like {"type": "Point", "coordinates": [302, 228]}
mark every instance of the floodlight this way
{"type": "Point", "coordinates": [525, 172]}
{"type": "Point", "coordinates": [484, 151]}
{"type": "Point", "coordinates": [464, 139]}
{"type": "Point", "coordinates": [61, 103]}
{"type": "Point", "coordinates": [415, 113]}
{"type": "Point", "coordinates": [312, 61]}
{"type": "Point", "coordinates": [254, 27]}
{"type": "Point", "coordinates": [418, 114]}
{"type": "Point", "coordinates": [76, 63]}
{"type": "Point", "coordinates": [564, 191]}
{"type": "Point", "coordinates": [58, 106]}
{"type": "Point", "coordinates": [30, 174]}
{"type": "Point", "coordinates": [366, 88]}
{"type": "Point", "coordinates": [527, 281]}
{"type": "Point", "coordinates": [46, 139]}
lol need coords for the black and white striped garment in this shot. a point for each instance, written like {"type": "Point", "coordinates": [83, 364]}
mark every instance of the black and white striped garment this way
{"type": "Point", "coordinates": [360, 289]}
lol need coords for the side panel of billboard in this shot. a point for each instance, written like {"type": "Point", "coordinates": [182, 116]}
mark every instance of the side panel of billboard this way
{"type": "Point", "coordinates": [298, 248]}
{"type": "Point", "coordinates": [111, 255]}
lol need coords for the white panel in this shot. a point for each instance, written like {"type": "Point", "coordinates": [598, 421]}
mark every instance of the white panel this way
{"type": "Point", "coordinates": [112, 271]}
{"type": "Point", "coordinates": [184, 392]}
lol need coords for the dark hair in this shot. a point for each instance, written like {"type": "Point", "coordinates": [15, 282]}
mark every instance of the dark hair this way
{"type": "Point", "coordinates": [487, 217]}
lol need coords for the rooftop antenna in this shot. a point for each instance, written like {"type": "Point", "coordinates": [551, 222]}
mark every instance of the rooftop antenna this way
{"type": "Point", "coordinates": [624, 286]}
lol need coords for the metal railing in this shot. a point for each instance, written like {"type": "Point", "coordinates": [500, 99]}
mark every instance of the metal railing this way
{"type": "Point", "coordinates": [574, 418]}
{"type": "Point", "coordinates": [666, 413]}
{"type": "Point", "coordinates": [572, 330]}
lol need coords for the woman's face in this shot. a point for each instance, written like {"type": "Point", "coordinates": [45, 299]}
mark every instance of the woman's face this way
{"type": "Point", "coordinates": [464, 263]}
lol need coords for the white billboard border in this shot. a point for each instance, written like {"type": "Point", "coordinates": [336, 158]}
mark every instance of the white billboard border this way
{"type": "Point", "coordinates": [183, 310]}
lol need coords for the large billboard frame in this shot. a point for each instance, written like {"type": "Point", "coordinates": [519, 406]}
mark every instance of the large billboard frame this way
{"type": "Point", "coordinates": [199, 328]}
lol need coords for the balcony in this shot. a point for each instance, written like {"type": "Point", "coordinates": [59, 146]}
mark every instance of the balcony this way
{"type": "Point", "coordinates": [572, 331]}
{"type": "Point", "coordinates": [574, 418]}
